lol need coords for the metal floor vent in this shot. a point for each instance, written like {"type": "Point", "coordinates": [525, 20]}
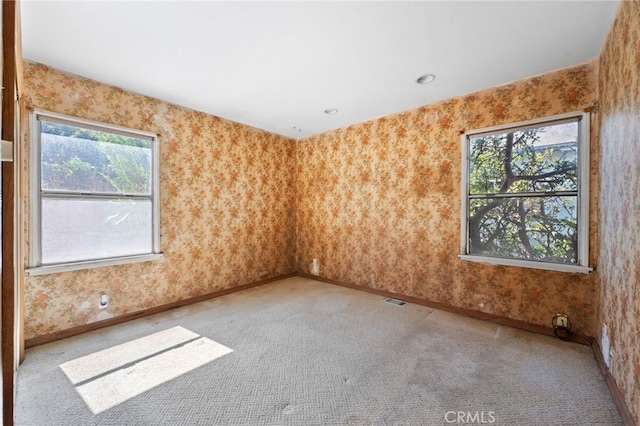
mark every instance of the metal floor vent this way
{"type": "Point", "coordinates": [394, 301]}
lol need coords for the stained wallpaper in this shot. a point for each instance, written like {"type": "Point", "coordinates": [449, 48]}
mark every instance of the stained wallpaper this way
{"type": "Point", "coordinates": [227, 206]}
{"type": "Point", "coordinates": [378, 204]}
{"type": "Point", "coordinates": [619, 94]}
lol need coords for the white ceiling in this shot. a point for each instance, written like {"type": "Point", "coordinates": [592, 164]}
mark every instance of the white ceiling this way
{"type": "Point", "coordinates": [279, 65]}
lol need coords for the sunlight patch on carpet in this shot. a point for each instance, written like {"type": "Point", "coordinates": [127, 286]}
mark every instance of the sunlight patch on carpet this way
{"type": "Point", "coordinates": [107, 378]}
{"type": "Point", "coordinates": [97, 363]}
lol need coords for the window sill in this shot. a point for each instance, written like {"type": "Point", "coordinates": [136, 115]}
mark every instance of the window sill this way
{"type": "Point", "coordinates": [558, 267]}
{"type": "Point", "coordinates": [77, 266]}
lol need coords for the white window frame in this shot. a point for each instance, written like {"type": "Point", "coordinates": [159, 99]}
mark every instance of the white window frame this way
{"type": "Point", "coordinates": [35, 208]}
{"type": "Point", "coordinates": [582, 203]}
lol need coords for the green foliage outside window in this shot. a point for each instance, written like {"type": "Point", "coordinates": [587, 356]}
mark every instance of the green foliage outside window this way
{"type": "Point", "coordinates": [79, 159]}
{"type": "Point", "coordinates": [523, 194]}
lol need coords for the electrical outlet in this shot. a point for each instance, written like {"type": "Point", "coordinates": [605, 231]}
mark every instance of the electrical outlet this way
{"type": "Point", "coordinates": [315, 267]}
{"type": "Point", "coordinates": [561, 320]}
{"type": "Point", "coordinates": [103, 301]}
{"type": "Point", "coordinates": [605, 346]}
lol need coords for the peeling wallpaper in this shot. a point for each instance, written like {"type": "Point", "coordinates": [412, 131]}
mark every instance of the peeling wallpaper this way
{"type": "Point", "coordinates": [619, 94]}
{"type": "Point", "coordinates": [227, 206]}
{"type": "Point", "coordinates": [378, 204]}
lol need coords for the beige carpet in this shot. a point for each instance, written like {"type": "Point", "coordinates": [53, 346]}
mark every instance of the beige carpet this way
{"type": "Point", "coordinates": [302, 352]}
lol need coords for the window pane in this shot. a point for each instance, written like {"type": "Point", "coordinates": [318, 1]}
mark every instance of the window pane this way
{"type": "Point", "coordinates": [530, 228]}
{"type": "Point", "coordinates": [537, 159]}
{"type": "Point", "coordinates": [75, 230]}
{"type": "Point", "coordinates": [80, 159]}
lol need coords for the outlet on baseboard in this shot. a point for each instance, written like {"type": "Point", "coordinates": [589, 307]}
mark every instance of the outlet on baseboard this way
{"type": "Point", "coordinates": [561, 320]}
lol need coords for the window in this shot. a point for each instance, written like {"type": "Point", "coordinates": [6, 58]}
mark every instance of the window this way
{"type": "Point", "coordinates": [94, 195]}
{"type": "Point", "coordinates": [525, 194]}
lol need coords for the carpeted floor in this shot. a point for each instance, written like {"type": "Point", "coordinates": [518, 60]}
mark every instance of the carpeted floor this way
{"type": "Point", "coordinates": [302, 352]}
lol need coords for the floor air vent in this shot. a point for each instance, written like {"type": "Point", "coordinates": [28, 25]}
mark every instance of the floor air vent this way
{"type": "Point", "coordinates": [395, 301]}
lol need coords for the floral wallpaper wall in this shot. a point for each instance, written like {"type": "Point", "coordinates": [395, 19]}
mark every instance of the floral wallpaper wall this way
{"type": "Point", "coordinates": [619, 261]}
{"type": "Point", "coordinates": [378, 204]}
{"type": "Point", "coordinates": [227, 206]}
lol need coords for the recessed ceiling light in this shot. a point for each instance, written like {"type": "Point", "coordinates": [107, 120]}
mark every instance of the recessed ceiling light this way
{"type": "Point", "coordinates": [426, 79]}
{"type": "Point", "coordinates": [331, 111]}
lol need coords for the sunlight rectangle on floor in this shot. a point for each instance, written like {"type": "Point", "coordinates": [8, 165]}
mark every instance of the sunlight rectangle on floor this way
{"type": "Point", "coordinates": [109, 377]}
{"type": "Point", "coordinates": [97, 363]}
{"type": "Point", "coordinates": [121, 385]}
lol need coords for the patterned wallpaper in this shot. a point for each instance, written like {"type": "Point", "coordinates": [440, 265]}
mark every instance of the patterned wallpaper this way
{"type": "Point", "coordinates": [227, 206]}
{"type": "Point", "coordinates": [619, 95]}
{"type": "Point", "coordinates": [378, 204]}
